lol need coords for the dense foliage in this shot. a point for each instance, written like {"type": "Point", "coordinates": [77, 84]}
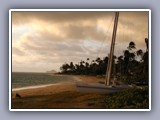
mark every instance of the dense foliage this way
{"type": "Point", "coordinates": [130, 67]}
{"type": "Point", "coordinates": [131, 98]}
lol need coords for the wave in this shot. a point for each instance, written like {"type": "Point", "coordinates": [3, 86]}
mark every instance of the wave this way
{"type": "Point", "coordinates": [34, 87]}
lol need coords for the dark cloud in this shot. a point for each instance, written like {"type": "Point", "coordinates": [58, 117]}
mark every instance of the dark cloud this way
{"type": "Point", "coordinates": [25, 17]}
{"type": "Point", "coordinates": [73, 32]}
{"type": "Point", "coordinates": [59, 37]}
{"type": "Point", "coordinates": [87, 32]}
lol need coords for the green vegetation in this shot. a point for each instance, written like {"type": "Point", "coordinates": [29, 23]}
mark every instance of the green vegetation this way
{"type": "Point", "coordinates": [127, 99]}
{"type": "Point", "coordinates": [130, 67]}
{"type": "Point", "coordinates": [131, 98]}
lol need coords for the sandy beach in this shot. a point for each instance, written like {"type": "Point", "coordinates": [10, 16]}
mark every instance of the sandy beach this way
{"type": "Point", "coordinates": [63, 95]}
{"type": "Point", "coordinates": [56, 88]}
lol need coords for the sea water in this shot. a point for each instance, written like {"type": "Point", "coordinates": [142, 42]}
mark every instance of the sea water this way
{"type": "Point", "coordinates": [23, 80]}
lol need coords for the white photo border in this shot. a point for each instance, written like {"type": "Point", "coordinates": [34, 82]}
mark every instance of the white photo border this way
{"type": "Point", "coordinates": [95, 10]}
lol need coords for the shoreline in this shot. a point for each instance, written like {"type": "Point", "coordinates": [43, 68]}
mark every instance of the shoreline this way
{"type": "Point", "coordinates": [76, 79]}
{"type": "Point", "coordinates": [49, 89]}
{"type": "Point", "coordinates": [64, 95]}
{"type": "Point", "coordinates": [34, 87]}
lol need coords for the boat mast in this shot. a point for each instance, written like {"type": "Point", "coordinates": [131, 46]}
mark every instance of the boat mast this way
{"type": "Point", "coordinates": [109, 66]}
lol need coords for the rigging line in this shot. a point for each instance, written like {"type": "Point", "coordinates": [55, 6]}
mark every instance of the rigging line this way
{"type": "Point", "coordinates": [105, 37]}
{"type": "Point", "coordinates": [122, 43]}
{"type": "Point", "coordinates": [127, 39]}
{"type": "Point", "coordinates": [116, 48]}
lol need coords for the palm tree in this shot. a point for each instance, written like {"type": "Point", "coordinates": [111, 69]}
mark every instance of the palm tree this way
{"type": "Point", "coordinates": [146, 62]}
{"type": "Point", "coordinates": [65, 68]}
{"type": "Point", "coordinates": [120, 64]}
{"type": "Point", "coordinates": [132, 45]}
{"type": "Point", "coordinates": [72, 67]}
{"type": "Point", "coordinates": [132, 56]}
{"type": "Point", "coordinates": [146, 41]}
{"type": "Point", "coordinates": [126, 60]}
{"type": "Point", "coordinates": [139, 52]}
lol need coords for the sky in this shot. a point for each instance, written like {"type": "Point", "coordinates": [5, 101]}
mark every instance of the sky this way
{"type": "Point", "coordinates": [43, 41]}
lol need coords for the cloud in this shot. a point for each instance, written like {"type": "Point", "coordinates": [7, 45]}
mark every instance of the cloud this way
{"type": "Point", "coordinates": [56, 17]}
{"type": "Point", "coordinates": [17, 51]}
{"type": "Point", "coordinates": [46, 40]}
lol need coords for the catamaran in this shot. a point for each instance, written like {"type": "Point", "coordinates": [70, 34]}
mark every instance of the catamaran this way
{"type": "Point", "coordinates": [107, 87]}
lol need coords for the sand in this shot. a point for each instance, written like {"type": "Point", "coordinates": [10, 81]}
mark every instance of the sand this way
{"type": "Point", "coordinates": [56, 88]}
{"type": "Point", "coordinates": [64, 95]}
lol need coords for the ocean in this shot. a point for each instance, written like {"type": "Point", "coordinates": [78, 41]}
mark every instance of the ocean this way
{"type": "Point", "coordinates": [23, 80]}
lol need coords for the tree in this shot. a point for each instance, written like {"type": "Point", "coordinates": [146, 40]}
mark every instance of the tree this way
{"type": "Point", "coordinates": [132, 56]}
{"type": "Point", "coordinates": [65, 67]}
{"type": "Point", "coordinates": [146, 62]}
{"type": "Point", "coordinates": [72, 67]}
{"type": "Point", "coordinates": [127, 65]}
{"type": "Point", "coordinates": [139, 52]}
{"type": "Point", "coordinates": [146, 41]}
{"type": "Point", "coordinates": [126, 60]}
{"type": "Point", "coordinates": [132, 45]}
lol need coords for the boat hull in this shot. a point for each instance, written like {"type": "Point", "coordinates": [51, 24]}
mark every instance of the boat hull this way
{"type": "Point", "coordinates": [99, 88]}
